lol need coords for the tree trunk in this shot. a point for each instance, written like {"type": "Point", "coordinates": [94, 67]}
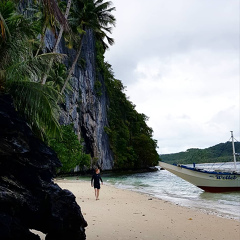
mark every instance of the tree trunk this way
{"type": "Point", "coordinates": [73, 65]}
{"type": "Point", "coordinates": [57, 43]}
{"type": "Point", "coordinates": [42, 38]}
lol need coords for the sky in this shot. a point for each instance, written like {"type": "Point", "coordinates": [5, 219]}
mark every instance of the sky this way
{"type": "Point", "coordinates": [180, 63]}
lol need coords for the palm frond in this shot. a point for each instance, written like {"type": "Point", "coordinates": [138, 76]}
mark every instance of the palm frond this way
{"type": "Point", "coordinates": [20, 73]}
{"type": "Point", "coordinates": [38, 104]}
{"type": "Point", "coordinates": [57, 77]}
{"type": "Point", "coordinates": [54, 12]}
{"type": "Point", "coordinates": [110, 40]}
{"type": "Point", "coordinates": [107, 29]}
{"type": "Point", "coordinates": [22, 34]}
{"type": "Point", "coordinates": [31, 67]}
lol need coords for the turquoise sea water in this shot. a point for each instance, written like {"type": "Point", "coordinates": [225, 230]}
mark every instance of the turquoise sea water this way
{"type": "Point", "coordinates": [165, 185]}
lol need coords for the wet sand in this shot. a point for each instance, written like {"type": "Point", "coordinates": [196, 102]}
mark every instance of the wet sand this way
{"type": "Point", "coordinates": [127, 215]}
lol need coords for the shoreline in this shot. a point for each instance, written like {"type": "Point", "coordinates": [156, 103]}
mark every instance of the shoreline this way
{"type": "Point", "coordinates": [197, 209]}
{"type": "Point", "coordinates": [125, 214]}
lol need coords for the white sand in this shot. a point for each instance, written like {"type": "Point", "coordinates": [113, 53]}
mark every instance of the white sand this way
{"type": "Point", "coordinates": [128, 215]}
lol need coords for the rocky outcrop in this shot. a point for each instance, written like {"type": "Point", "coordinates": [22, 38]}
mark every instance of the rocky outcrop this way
{"type": "Point", "coordinates": [29, 199]}
{"type": "Point", "coordinates": [82, 107]}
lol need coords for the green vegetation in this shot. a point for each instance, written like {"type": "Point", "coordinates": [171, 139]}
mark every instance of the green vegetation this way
{"type": "Point", "coordinates": [221, 152]}
{"type": "Point", "coordinates": [21, 71]}
{"type": "Point", "coordinates": [94, 15]}
{"type": "Point", "coordinates": [69, 150]}
{"type": "Point", "coordinates": [130, 137]}
{"type": "Point", "coordinates": [36, 80]}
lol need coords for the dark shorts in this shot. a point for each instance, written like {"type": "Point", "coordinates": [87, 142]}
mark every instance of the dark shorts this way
{"type": "Point", "coordinates": [97, 186]}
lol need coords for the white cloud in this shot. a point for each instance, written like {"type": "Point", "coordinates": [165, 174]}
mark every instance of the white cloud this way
{"type": "Point", "coordinates": [180, 63]}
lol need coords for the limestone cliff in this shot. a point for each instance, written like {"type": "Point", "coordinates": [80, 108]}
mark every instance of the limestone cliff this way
{"type": "Point", "coordinates": [82, 107]}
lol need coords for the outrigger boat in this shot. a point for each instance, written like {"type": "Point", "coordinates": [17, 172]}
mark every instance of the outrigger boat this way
{"type": "Point", "coordinates": [209, 181]}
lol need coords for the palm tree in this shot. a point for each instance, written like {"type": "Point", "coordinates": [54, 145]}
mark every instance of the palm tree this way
{"type": "Point", "coordinates": [105, 18]}
{"type": "Point", "coordinates": [20, 72]}
{"type": "Point", "coordinates": [95, 15]}
{"type": "Point", "coordinates": [50, 14]}
{"type": "Point", "coordinates": [58, 41]}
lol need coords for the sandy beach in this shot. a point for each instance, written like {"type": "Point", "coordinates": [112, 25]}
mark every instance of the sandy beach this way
{"type": "Point", "coordinates": [123, 214]}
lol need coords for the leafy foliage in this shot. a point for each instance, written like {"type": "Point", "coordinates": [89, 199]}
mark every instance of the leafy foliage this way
{"type": "Point", "coordinates": [57, 76]}
{"type": "Point", "coordinates": [36, 85]}
{"type": "Point", "coordinates": [69, 150]}
{"type": "Point", "coordinates": [130, 137]}
{"type": "Point", "coordinates": [38, 103]}
{"type": "Point", "coordinates": [221, 152]}
{"type": "Point", "coordinates": [20, 72]}
{"type": "Point", "coordinates": [94, 15]}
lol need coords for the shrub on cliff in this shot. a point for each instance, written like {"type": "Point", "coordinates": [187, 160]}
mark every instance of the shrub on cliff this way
{"type": "Point", "coordinates": [69, 150]}
{"type": "Point", "coordinates": [130, 136]}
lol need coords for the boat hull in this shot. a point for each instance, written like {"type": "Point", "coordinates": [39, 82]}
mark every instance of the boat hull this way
{"type": "Point", "coordinates": [208, 181]}
{"type": "Point", "coordinates": [219, 189]}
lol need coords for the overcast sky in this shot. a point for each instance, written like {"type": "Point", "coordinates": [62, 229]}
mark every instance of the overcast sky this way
{"type": "Point", "coordinates": [179, 61]}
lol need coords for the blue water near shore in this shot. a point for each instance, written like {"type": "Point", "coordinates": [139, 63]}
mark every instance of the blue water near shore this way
{"type": "Point", "coordinates": [166, 186]}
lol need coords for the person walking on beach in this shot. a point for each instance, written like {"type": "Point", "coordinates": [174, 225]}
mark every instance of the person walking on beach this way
{"type": "Point", "coordinates": [95, 182]}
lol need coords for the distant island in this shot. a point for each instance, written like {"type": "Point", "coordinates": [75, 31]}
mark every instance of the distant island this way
{"type": "Point", "coordinates": [221, 152]}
